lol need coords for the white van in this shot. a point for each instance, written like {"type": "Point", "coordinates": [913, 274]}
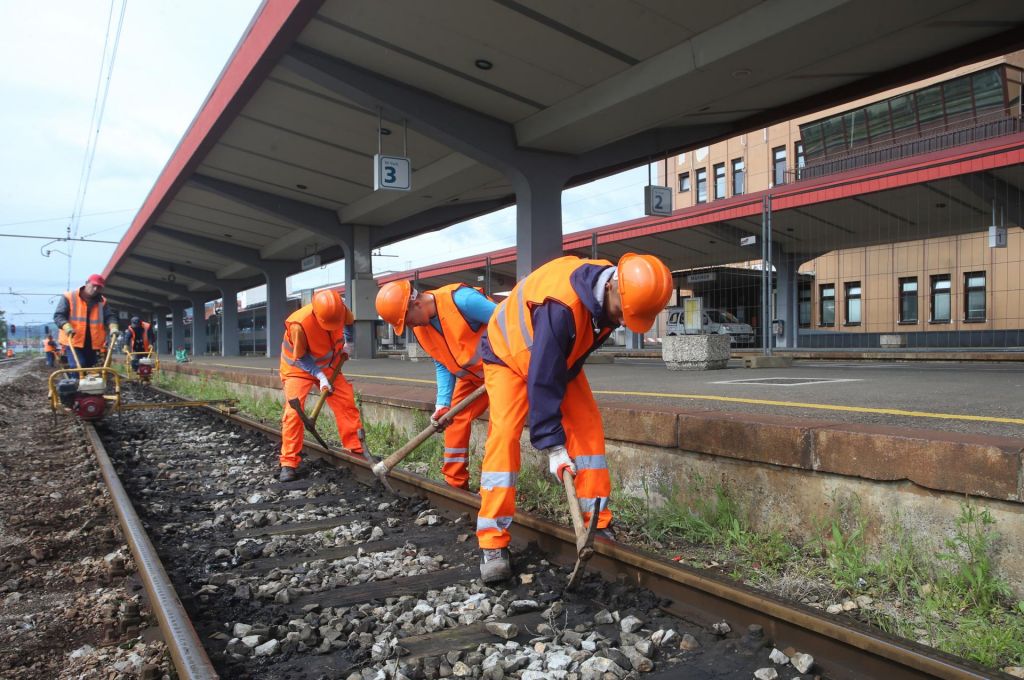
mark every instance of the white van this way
{"type": "Point", "coordinates": [712, 321]}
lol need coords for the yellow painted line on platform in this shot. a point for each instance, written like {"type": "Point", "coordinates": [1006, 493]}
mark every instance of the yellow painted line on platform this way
{"type": "Point", "coordinates": [743, 400]}
{"type": "Point", "coordinates": [821, 407]}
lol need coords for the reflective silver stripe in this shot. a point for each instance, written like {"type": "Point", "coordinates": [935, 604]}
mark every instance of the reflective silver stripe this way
{"type": "Point", "coordinates": [500, 523]}
{"type": "Point", "coordinates": [595, 462]}
{"type": "Point", "coordinates": [455, 450]}
{"type": "Point", "coordinates": [490, 480]}
{"type": "Point", "coordinates": [461, 459]}
{"type": "Point", "coordinates": [288, 343]}
{"type": "Point", "coordinates": [499, 316]}
{"type": "Point", "coordinates": [527, 335]}
{"type": "Point", "coordinates": [290, 362]}
{"type": "Point", "coordinates": [587, 504]}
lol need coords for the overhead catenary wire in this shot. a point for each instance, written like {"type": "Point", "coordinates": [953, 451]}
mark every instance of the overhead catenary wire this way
{"type": "Point", "coordinates": [95, 123]}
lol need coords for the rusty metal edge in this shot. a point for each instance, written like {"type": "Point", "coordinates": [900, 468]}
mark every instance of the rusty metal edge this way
{"type": "Point", "coordinates": [187, 651]}
{"type": "Point", "coordinates": [693, 592]}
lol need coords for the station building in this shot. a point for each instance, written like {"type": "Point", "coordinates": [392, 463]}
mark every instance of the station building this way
{"type": "Point", "coordinates": [945, 291]}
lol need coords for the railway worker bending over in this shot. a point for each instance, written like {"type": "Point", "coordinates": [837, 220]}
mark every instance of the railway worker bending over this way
{"type": "Point", "coordinates": [317, 340]}
{"type": "Point", "coordinates": [533, 354]}
{"type": "Point", "coordinates": [85, 318]}
{"type": "Point", "coordinates": [448, 323]}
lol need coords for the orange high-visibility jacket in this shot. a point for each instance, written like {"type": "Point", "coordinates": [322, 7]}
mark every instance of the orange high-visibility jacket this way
{"type": "Point", "coordinates": [51, 346]}
{"type": "Point", "coordinates": [62, 339]}
{"type": "Point", "coordinates": [81, 316]}
{"type": "Point", "coordinates": [145, 337]}
{"type": "Point", "coordinates": [510, 332]}
{"type": "Point", "coordinates": [456, 346]}
{"type": "Point", "coordinates": [324, 346]}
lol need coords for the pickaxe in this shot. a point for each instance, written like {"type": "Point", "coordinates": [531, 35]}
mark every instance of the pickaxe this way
{"type": "Point", "coordinates": [310, 421]}
{"type": "Point", "coordinates": [382, 468]}
{"type": "Point", "coordinates": [584, 532]}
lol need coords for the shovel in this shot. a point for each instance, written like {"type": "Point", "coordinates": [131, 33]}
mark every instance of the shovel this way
{"type": "Point", "coordinates": [584, 532]}
{"type": "Point", "coordinates": [382, 468]}
{"type": "Point", "coordinates": [310, 421]}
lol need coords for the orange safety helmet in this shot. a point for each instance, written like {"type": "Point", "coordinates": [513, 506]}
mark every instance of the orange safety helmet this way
{"type": "Point", "coordinates": [645, 285]}
{"type": "Point", "coordinates": [329, 310]}
{"type": "Point", "coordinates": [393, 302]}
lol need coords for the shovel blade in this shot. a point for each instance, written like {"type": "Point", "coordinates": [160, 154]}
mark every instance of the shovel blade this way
{"type": "Point", "coordinates": [309, 424]}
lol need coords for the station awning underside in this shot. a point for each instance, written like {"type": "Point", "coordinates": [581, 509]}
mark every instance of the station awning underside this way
{"type": "Point", "coordinates": [939, 194]}
{"type": "Point", "coordinates": [277, 164]}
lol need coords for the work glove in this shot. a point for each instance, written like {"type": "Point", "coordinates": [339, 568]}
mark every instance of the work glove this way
{"type": "Point", "coordinates": [69, 329]}
{"type": "Point", "coordinates": [325, 382]}
{"type": "Point", "coordinates": [439, 411]}
{"type": "Point", "coordinates": [114, 329]}
{"type": "Point", "coordinates": [349, 349]}
{"type": "Point", "coordinates": [559, 460]}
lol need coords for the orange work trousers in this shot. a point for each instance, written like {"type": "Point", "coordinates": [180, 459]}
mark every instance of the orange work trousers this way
{"type": "Point", "coordinates": [584, 439]}
{"type": "Point", "coordinates": [342, 402]}
{"type": "Point", "coordinates": [456, 437]}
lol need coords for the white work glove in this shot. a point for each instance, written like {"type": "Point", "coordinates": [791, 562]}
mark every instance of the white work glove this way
{"type": "Point", "coordinates": [349, 349]}
{"type": "Point", "coordinates": [325, 382]}
{"type": "Point", "coordinates": [439, 411]}
{"type": "Point", "coordinates": [558, 460]}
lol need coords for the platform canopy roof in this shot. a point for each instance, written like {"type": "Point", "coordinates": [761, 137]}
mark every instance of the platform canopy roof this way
{"type": "Point", "coordinates": [277, 164]}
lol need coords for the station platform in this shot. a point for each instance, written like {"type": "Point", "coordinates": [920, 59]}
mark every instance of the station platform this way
{"type": "Point", "coordinates": [969, 397]}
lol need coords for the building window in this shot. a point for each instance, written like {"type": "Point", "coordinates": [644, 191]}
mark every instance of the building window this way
{"type": "Point", "coordinates": [827, 305]}
{"type": "Point", "coordinates": [853, 303]}
{"type": "Point", "coordinates": [684, 182]}
{"type": "Point", "coordinates": [719, 180]}
{"type": "Point", "coordinates": [739, 177]}
{"type": "Point", "coordinates": [702, 185]}
{"type": "Point", "coordinates": [804, 310]}
{"type": "Point", "coordinates": [779, 165]}
{"type": "Point", "coordinates": [798, 148]}
{"type": "Point", "coordinates": [974, 296]}
{"type": "Point", "coordinates": [941, 299]}
{"type": "Point", "coordinates": [908, 300]}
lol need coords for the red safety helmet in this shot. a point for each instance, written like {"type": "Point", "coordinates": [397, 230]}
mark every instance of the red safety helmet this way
{"type": "Point", "coordinates": [645, 285]}
{"type": "Point", "coordinates": [97, 280]}
{"type": "Point", "coordinates": [329, 310]}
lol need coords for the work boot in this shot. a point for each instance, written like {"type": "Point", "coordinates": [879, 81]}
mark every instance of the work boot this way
{"type": "Point", "coordinates": [607, 533]}
{"type": "Point", "coordinates": [495, 565]}
{"type": "Point", "coordinates": [287, 474]}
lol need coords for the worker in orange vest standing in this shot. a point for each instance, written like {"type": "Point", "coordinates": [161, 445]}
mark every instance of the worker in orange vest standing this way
{"type": "Point", "coordinates": [51, 349]}
{"type": "Point", "coordinates": [317, 339]}
{"type": "Point", "coordinates": [533, 353]}
{"type": "Point", "coordinates": [86, 318]}
{"type": "Point", "coordinates": [139, 337]}
{"type": "Point", "coordinates": [448, 323]}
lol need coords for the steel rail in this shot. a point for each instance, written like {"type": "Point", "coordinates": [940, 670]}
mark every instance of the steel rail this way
{"type": "Point", "coordinates": [187, 652]}
{"type": "Point", "coordinates": [843, 651]}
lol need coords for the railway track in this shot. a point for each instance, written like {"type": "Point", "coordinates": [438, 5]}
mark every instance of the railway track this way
{"type": "Point", "coordinates": [332, 577]}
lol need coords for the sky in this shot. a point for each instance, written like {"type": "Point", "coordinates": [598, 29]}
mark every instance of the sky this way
{"type": "Point", "coordinates": [169, 57]}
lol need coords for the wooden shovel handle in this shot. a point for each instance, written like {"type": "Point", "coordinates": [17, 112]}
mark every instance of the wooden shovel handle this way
{"type": "Point", "coordinates": [395, 458]}
{"type": "Point", "coordinates": [323, 395]}
{"type": "Point", "coordinates": [578, 525]}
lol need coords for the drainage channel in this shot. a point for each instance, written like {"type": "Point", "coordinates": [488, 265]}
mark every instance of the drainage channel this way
{"type": "Point", "coordinates": [690, 603]}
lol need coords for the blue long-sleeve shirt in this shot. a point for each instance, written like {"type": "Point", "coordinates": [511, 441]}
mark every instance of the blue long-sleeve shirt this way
{"type": "Point", "coordinates": [477, 308]}
{"type": "Point", "coordinates": [554, 334]}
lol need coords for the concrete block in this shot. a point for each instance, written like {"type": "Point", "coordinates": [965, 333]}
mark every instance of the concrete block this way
{"type": "Point", "coordinates": [414, 352]}
{"type": "Point", "coordinates": [768, 362]}
{"type": "Point", "coordinates": [893, 340]}
{"type": "Point", "coordinates": [776, 440]}
{"type": "Point", "coordinates": [652, 426]}
{"type": "Point", "coordinates": [695, 352]}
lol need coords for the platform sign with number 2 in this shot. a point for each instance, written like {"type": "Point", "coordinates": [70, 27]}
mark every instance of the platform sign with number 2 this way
{"type": "Point", "coordinates": [657, 200]}
{"type": "Point", "coordinates": [392, 172]}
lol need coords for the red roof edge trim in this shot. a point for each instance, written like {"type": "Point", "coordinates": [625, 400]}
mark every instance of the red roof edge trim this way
{"type": "Point", "coordinates": [276, 26]}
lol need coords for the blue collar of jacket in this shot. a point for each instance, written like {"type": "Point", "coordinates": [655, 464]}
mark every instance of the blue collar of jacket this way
{"type": "Point", "coordinates": [583, 281]}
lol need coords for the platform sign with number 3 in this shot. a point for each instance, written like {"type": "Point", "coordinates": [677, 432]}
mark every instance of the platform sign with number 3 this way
{"type": "Point", "coordinates": [392, 172]}
{"type": "Point", "coordinates": [657, 200]}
